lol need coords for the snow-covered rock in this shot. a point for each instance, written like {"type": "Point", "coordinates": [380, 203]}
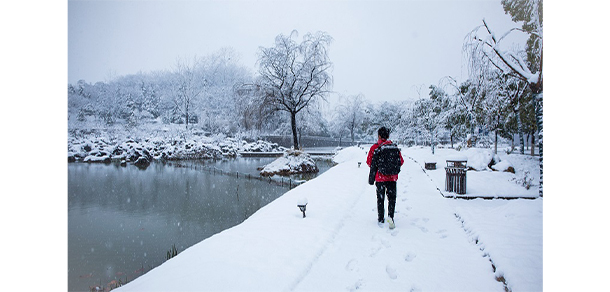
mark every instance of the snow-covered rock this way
{"type": "Point", "coordinates": [100, 156]}
{"type": "Point", "coordinates": [293, 161]}
{"type": "Point", "coordinates": [100, 149]}
{"type": "Point", "coordinates": [479, 159]}
{"type": "Point", "coordinates": [503, 165]}
{"type": "Point", "coordinates": [262, 146]}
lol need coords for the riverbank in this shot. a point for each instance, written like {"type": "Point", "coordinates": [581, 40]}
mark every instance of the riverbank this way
{"type": "Point", "coordinates": [104, 148]}
{"type": "Point", "coordinates": [439, 244]}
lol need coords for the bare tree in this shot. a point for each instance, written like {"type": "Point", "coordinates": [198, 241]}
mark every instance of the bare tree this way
{"type": "Point", "coordinates": [187, 87]}
{"type": "Point", "coordinates": [515, 90]}
{"type": "Point", "coordinates": [350, 113]}
{"type": "Point", "coordinates": [483, 44]}
{"type": "Point", "coordinates": [468, 96]}
{"type": "Point", "coordinates": [294, 76]}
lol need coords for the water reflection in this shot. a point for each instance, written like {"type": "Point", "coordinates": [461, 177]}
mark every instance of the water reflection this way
{"type": "Point", "coordinates": [123, 220]}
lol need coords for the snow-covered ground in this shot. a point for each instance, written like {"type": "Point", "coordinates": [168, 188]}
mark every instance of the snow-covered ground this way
{"type": "Point", "coordinates": [485, 182]}
{"type": "Point", "coordinates": [439, 244]}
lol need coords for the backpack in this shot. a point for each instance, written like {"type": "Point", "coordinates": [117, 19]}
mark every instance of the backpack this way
{"type": "Point", "coordinates": [387, 159]}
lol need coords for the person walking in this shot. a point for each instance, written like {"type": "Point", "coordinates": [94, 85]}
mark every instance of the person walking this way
{"type": "Point", "coordinates": [384, 159]}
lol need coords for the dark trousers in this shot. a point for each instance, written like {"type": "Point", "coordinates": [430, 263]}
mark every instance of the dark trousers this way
{"type": "Point", "coordinates": [383, 188]}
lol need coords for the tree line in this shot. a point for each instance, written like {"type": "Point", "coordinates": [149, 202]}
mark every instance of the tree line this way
{"type": "Point", "coordinates": [288, 94]}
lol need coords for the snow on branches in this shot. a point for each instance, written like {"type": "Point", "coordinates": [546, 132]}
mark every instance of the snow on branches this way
{"type": "Point", "coordinates": [483, 46]}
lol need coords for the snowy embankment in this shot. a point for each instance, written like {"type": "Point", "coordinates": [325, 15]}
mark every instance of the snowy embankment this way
{"type": "Point", "coordinates": [439, 244]}
{"type": "Point", "coordinates": [102, 149]}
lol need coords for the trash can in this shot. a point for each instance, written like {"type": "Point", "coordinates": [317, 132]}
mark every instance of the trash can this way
{"type": "Point", "coordinates": [455, 176]}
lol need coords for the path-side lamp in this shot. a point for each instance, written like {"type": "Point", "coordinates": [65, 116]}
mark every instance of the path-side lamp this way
{"type": "Point", "coordinates": [302, 204]}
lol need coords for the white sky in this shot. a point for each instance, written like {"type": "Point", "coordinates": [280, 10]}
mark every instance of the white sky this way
{"type": "Point", "coordinates": [383, 49]}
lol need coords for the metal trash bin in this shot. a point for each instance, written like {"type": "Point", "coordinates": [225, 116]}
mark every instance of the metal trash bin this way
{"type": "Point", "coordinates": [455, 176]}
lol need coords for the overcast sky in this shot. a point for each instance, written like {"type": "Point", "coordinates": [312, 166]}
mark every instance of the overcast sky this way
{"type": "Point", "coordinates": [382, 49]}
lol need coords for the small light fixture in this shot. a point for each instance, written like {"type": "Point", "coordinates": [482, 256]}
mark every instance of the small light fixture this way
{"type": "Point", "coordinates": [302, 204]}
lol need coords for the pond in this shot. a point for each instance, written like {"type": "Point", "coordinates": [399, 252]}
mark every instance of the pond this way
{"type": "Point", "coordinates": [122, 221]}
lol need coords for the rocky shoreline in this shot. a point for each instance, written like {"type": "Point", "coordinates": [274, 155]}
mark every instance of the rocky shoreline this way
{"type": "Point", "coordinates": [142, 152]}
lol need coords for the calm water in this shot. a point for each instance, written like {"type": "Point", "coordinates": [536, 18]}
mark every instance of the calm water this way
{"type": "Point", "coordinates": [123, 220]}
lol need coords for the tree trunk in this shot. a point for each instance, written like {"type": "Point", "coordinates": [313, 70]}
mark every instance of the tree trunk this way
{"type": "Point", "coordinates": [300, 131]}
{"type": "Point", "coordinates": [186, 110]}
{"type": "Point", "coordinates": [432, 142]}
{"type": "Point", "coordinates": [520, 130]}
{"type": "Point", "coordinates": [532, 142]}
{"type": "Point", "coordinates": [293, 124]}
{"type": "Point", "coordinates": [187, 120]}
{"type": "Point", "coordinates": [496, 136]}
{"type": "Point", "coordinates": [538, 103]}
{"type": "Point", "coordinates": [451, 137]}
{"type": "Point", "coordinates": [496, 142]}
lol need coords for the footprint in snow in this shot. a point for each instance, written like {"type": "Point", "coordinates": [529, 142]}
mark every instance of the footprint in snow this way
{"type": "Point", "coordinates": [356, 285]}
{"type": "Point", "coordinates": [442, 233]}
{"type": "Point", "coordinates": [351, 265]}
{"type": "Point", "coordinates": [375, 250]}
{"type": "Point", "coordinates": [382, 240]}
{"type": "Point", "coordinates": [391, 272]}
{"type": "Point", "coordinates": [385, 242]}
{"type": "Point", "coordinates": [410, 256]}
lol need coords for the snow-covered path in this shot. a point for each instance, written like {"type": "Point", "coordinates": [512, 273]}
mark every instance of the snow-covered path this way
{"type": "Point", "coordinates": [339, 247]}
{"type": "Point", "coordinates": [428, 251]}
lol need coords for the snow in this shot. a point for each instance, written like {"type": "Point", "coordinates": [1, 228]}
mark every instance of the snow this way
{"type": "Point", "coordinates": [502, 165]}
{"type": "Point", "coordinates": [439, 244]}
{"type": "Point", "coordinates": [350, 153]}
{"type": "Point", "coordinates": [478, 158]}
{"type": "Point", "coordinates": [94, 148]}
{"type": "Point", "coordinates": [302, 202]}
{"type": "Point", "coordinates": [293, 161]}
{"type": "Point", "coordinates": [484, 182]}
{"type": "Point", "coordinates": [457, 157]}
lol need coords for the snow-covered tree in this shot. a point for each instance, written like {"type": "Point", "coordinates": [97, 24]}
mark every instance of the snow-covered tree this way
{"type": "Point", "coordinates": [515, 90]}
{"type": "Point", "coordinates": [484, 44]}
{"type": "Point", "coordinates": [468, 98]}
{"type": "Point", "coordinates": [311, 122]}
{"type": "Point", "coordinates": [217, 105]}
{"type": "Point", "coordinates": [430, 116]}
{"type": "Point", "coordinates": [295, 75]}
{"type": "Point", "coordinates": [349, 114]}
{"type": "Point", "coordinates": [187, 88]}
{"type": "Point", "coordinates": [452, 115]}
{"type": "Point", "coordinates": [249, 106]}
